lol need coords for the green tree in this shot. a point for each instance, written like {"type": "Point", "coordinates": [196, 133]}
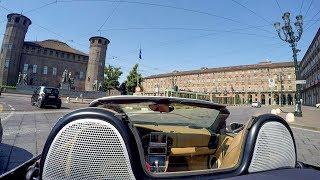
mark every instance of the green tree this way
{"type": "Point", "coordinates": [111, 77]}
{"type": "Point", "coordinates": [131, 82]}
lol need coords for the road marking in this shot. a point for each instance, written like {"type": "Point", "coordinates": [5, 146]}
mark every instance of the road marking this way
{"type": "Point", "coordinates": [306, 129]}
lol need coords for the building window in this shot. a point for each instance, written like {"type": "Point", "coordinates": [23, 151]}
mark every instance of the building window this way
{"type": "Point", "coordinates": [99, 41]}
{"type": "Point", "coordinates": [7, 64]}
{"type": "Point", "coordinates": [17, 19]}
{"type": "Point", "coordinates": [25, 67]}
{"type": "Point", "coordinates": [45, 69]}
{"type": "Point", "coordinates": [45, 51]}
{"type": "Point", "coordinates": [54, 71]}
{"type": "Point", "coordinates": [81, 75]}
{"type": "Point", "coordinates": [34, 68]}
{"type": "Point", "coordinates": [62, 55]}
{"type": "Point", "coordinates": [57, 54]}
{"type": "Point", "coordinates": [51, 52]}
{"type": "Point", "coordinates": [68, 56]}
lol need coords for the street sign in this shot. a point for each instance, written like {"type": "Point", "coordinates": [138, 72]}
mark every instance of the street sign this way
{"type": "Point", "coordinates": [301, 81]}
{"type": "Point", "coordinates": [271, 83]}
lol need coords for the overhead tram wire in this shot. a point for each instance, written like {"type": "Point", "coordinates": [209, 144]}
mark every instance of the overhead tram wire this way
{"type": "Point", "coordinates": [172, 7]}
{"type": "Point", "coordinates": [312, 24]}
{"type": "Point", "coordinates": [113, 11]}
{"type": "Point", "coordinates": [280, 7]}
{"type": "Point", "coordinates": [40, 7]}
{"type": "Point", "coordinates": [308, 9]}
{"type": "Point", "coordinates": [5, 8]}
{"type": "Point", "coordinates": [165, 43]}
{"type": "Point", "coordinates": [253, 12]}
{"type": "Point", "coordinates": [310, 21]}
{"type": "Point", "coordinates": [301, 6]}
{"type": "Point", "coordinates": [165, 69]}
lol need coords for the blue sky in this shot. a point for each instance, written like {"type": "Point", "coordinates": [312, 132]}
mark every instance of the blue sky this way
{"type": "Point", "coordinates": [173, 34]}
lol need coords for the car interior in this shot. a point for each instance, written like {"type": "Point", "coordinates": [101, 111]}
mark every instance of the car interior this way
{"type": "Point", "coordinates": [102, 142]}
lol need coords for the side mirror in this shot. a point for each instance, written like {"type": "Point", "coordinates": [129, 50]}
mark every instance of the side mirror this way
{"type": "Point", "coordinates": [234, 127]}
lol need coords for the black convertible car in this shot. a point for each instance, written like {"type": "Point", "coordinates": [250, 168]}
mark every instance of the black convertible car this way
{"type": "Point", "coordinates": [137, 137]}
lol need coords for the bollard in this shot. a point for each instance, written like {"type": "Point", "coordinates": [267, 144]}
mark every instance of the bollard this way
{"type": "Point", "coordinates": [81, 97]}
{"type": "Point", "coordinates": [278, 111]}
{"type": "Point", "coordinates": [76, 98]}
{"type": "Point", "coordinates": [273, 111]}
{"type": "Point", "coordinates": [290, 117]}
{"type": "Point", "coordinates": [68, 100]}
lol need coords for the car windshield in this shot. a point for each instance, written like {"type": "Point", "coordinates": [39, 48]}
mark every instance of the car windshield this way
{"type": "Point", "coordinates": [51, 91]}
{"type": "Point", "coordinates": [251, 57]}
{"type": "Point", "coordinates": [181, 115]}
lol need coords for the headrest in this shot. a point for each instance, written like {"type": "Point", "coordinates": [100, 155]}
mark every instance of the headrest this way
{"type": "Point", "coordinates": [89, 144]}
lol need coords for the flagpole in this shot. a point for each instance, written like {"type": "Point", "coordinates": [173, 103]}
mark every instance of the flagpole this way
{"type": "Point", "coordinates": [138, 67]}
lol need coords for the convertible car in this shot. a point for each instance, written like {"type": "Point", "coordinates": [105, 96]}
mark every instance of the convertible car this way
{"type": "Point", "coordinates": [138, 137]}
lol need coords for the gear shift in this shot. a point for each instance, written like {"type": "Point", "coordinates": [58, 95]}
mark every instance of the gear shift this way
{"type": "Point", "coordinates": [156, 163]}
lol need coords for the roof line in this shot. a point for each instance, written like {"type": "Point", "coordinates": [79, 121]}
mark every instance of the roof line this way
{"type": "Point", "coordinates": [225, 68]}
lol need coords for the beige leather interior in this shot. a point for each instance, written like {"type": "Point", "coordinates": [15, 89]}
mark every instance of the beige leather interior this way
{"type": "Point", "coordinates": [233, 152]}
{"type": "Point", "coordinates": [182, 136]}
{"type": "Point", "coordinates": [191, 151]}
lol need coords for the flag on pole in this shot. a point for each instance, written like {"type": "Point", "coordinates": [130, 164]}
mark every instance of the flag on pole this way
{"type": "Point", "coordinates": [140, 56]}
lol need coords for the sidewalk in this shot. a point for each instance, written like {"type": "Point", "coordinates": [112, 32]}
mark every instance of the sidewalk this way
{"type": "Point", "coordinates": [310, 117]}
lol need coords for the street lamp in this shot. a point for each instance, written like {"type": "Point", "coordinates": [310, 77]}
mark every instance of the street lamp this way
{"type": "Point", "coordinates": [289, 37]}
{"type": "Point", "coordinates": [280, 79]}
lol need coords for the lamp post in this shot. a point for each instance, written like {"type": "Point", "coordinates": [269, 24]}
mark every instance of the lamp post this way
{"type": "Point", "coordinates": [289, 37]}
{"type": "Point", "coordinates": [280, 79]}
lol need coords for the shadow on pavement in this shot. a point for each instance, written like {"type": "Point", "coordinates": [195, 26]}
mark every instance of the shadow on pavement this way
{"type": "Point", "coordinates": [54, 107]}
{"type": "Point", "coordinates": [12, 156]}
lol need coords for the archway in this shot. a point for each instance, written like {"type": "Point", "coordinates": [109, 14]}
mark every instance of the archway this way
{"type": "Point", "coordinates": [237, 99]}
{"type": "Point", "coordinates": [283, 99]}
{"type": "Point", "coordinates": [276, 99]}
{"type": "Point", "coordinates": [249, 101]}
{"type": "Point", "coordinates": [290, 100]}
{"type": "Point", "coordinates": [225, 100]}
{"type": "Point", "coordinates": [263, 99]}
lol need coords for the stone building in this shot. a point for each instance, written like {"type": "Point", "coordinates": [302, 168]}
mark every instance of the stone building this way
{"type": "Point", "coordinates": [266, 82]}
{"type": "Point", "coordinates": [44, 62]}
{"type": "Point", "coordinates": [310, 71]}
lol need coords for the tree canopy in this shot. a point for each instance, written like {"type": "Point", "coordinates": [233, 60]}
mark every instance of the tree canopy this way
{"type": "Point", "coordinates": [111, 77]}
{"type": "Point", "coordinates": [131, 82]}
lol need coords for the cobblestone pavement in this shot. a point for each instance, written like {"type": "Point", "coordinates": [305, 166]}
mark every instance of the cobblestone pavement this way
{"type": "Point", "coordinates": [308, 145]}
{"type": "Point", "coordinates": [26, 129]}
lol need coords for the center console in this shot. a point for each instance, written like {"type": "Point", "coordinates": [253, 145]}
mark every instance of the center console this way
{"type": "Point", "coordinates": [157, 152]}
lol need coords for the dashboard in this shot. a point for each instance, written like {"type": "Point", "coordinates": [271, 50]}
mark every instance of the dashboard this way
{"type": "Point", "coordinates": [167, 147]}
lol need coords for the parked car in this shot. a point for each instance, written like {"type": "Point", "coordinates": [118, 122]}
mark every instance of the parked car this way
{"type": "Point", "coordinates": [44, 96]}
{"type": "Point", "coordinates": [318, 105]}
{"type": "Point", "coordinates": [256, 104]}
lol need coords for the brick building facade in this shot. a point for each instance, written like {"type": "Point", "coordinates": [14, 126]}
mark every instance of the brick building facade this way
{"type": "Point", "coordinates": [310, 71]}
{"type": "Point", "coordinates": [266, 82]}
{"type": "Point", "coordinates": [45, 61]}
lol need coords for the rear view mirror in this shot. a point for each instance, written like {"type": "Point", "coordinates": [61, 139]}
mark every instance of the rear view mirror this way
{"type": "Point", "coordinates": [234, 127]}
{"type": "Point", "coordinates": [161, 107]}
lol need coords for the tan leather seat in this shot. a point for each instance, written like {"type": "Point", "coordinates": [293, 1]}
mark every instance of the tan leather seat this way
{"type": "Point", "coordinates": [233, 153]}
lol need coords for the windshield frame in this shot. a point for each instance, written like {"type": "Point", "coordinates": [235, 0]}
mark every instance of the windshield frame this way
{"type": "Point", "coordinates": [219, 122]}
